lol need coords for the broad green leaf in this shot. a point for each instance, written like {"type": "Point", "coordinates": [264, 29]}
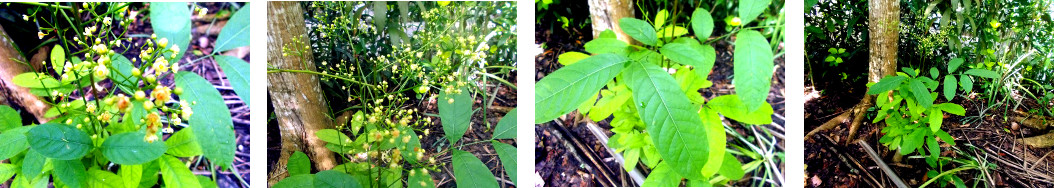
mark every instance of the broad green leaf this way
{"type": "Point", "coordinates": [934, 73]}
{"type": "Point", "coordinates": [952, 108]}
{"type": "Point", "coordinates": [419, 178]}
{"type": "Point", "coordinates": [7, 171]}
{"type": "Point", "coordinates": [922, 95]}
{"type": "Point", "coordinates": [335, 179]}
{"type": "Point", "coordinates": [945, 137]}
{"type": "Point", "coordinates": [731, 167]}
{"type": "Point", "coordinates": [700, 56]}
{"type": "Point", "coordinates": [934, 149]}
{"type": "Point", "coordinates": [176, 174]}
{"type": "Point", "coordinates": [469, 171]}
{"type": "Point", "coordinates": [237, 71]}
{"type": "Point", "coordinates": [983, 73]}
{"type": "Point", "coordinates": [235, 34]}
{"type": "Point", "coordinates": [299, 164]}
{"type": "Point", "coordinates": [753, 68]}
{"type": "Point", "coordinates": [670, 117]}
{"type": "Point", "coordinates": [571, 58]}
{"type": "Point", "coordinates": [121, 73]}
{"type": "Point", "coordinates": [610, 102]}
{"type": "Point", "coordinates": [412, 144]}
{"type": "Point", "coordinates": [58, 59]}
{"type": "Point", "coordinates": [130, 149]}
{"type": "Point", "coordinates": [910, 71]}
{"type": "Point", "coordinates": [662, 176]}
{"type": "Point", "coordinates": [33, 164]}
{"type": "Point", "coordinates": [64, 108]}
{"type": "Point", "coordinates": [380, 16]}
{"type": "Point", "coordinates": [104, 179]}
{"type": "Point", "coordinates": [151, 170]}
{"type": "Point", "coordinates": [507, 155]}
{"type": "Point", "coordinates": [560, 92]}
{"type": "Point", "coordinates": [967, 83]}
{"type": "Point", "coordinates": [176, 27]}
{"type": "Point", "coordinates": [443, 3]}
{"type": "Point", "coordinates": [587, 105]}
{"type": "Point", "coordinates": [912, 141]}
{"type": "Point", "coordinates": [14, 142]}
{"type": "Point", "coordinates": [58, 141]}
{"type": "Point", "coordinates": [632, 158]}
{"type": "Point", "coordinates": [11, 120]}
{"type": "Point", "coordinates": [183, 144]}
{"type": "Point", "coordinates": [211, 120]}
{"type": "Point", "coordinates": [332, 136]}
{"type": "Point", "coordinates": [607, 45]}
{"type": "Point", "coordinates": [639, 30]}
{"type": "Point", "coordinates": [671, 32]}
{"type": "Point", "coordinates": [206, 182]}
{"type": "Point", "coordinates": [750, 9]}
{"type": "Point", "coordinates": [732, 107]}
{"type": "Point", "coordinates": [70, 172]}
{"type": "Point", "coordinates": [131, 175]}
{"type": "Point", "coordinates": [303, 180]}
{"type": "Point", "coordinates": [936, 119]}
{"type": "Point", "coordinates": [715, 138]}
{"type": "Point", "coordinates": [506, 128]}
{"type": "Point", "coordinates": [660, 18]}
{"type": "Point", "coordinates": [950, 85]}
{"type": "Point", "coordinates": [954, 64]}
{"type": "Point", "coordinates": [455, 110]}
{"type": "Point", "coordinates": [702, 24]}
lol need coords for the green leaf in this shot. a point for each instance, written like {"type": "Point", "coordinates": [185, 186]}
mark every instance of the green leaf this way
{"type": "Point", "coordinates": [58, 59]}
{"type": "Point", "coordinates": [983, 73]}
{"type": "Point", "coordinates": [380, 18]}
{"type": "Point", "coordinates": [702, 24]}
{"type": "Point", "coordinates": [469, 171]}
{"type": "Point", "coordinates": [945, 137]}
{"type": "Point", "coordinates": [750, 9]}
{"type": "Point", "coordinates": [11, 119]}
{"type": "Point", "coordinates": [33, 164]}
{"type": "Point", "coordinates": [934, 73]}
{"type": "Point", "coordinates": [967, 83]}
{"type": "Point", "coordinates": [640, 30]}
{"type": "Point", "coordinates": [670, 117]}
{"type": "Point", "coordinates": [205, 182]}
{"type": "Point", "coordinates": [412, 144]}
{"type": "Point", "coordinates": [715, 138]}
{"type": "Point", "coordinates": [235, 33]}
{"type": "Point", "coordinates": [671, 32]}
{"type": "Point", "coordinates": [607, 45]}
{"type": "Point", "coordinates": [176, 27]}
{"type": "Point", "coordinates": [936, 119]}
{"type": "Point", "coordinates": [753, 68]}
{"type": "Point", "coordinates": [130, 149]}
{"type": "Point", "coordinates": [335, 179]}
{"type": "Point", "coordinates": [419, 178]}
{"type": "Point", "coordinates": [183, 144]}
{"type": "Point", "coordinates": [456, 114]}
{"type": "Point", "coordinates": [237, 71]}
{"type": "Point", "coordinates": [176, 174]}
{"type": "Point", "coordinates": [507, 155]}
{"type": "Point", "coordinates": [131, 175]}
{"type": "Point", "coordinates": [912, 141]}
{"type": "Point", "coordinates": [662, 176]}
{"type": "Point", "coordinates": [299, 164]}
{"type": "Point", "coordinates": [70, 172]}
{"type": "Point", "coordinates": [732, 107]}
{"type": "Point", "coordinates": [150, 173]}
{"type": "Point", "coordinates": [211, 120]}
{"type": "Point", "coordinates": [954, 64]}
{"type": "Point", "coordinates": [58, 141]}
{"type": "Point", "coordinates": [7, 171]}
{"type": "Point", "coordinates": [952, 108]}
{"type": "Point", "coordinates": [950, 86]}
{"type": "Point", "coordinates": [560, 92]}
{"type": "Point", "coordinates": [303, 180]}
{"type": "Point", "coordinates": [121, 73]}
{"type": "Point", "coordinates": [104, 179]}
{"type": "Point", "coordinates": [660, 18]}
{"type": "Point", "coordinates": [332, 136]}
{"type": "Point", "coordinates": [922, 95]}
{"type": "Point", "coordinates": [506, 128]}
{"type": "Point", "coordinates": [694, 54]}
{"type": "Point", "coordinates": [632, 158]}
{"type": "Point", "coordinates": [571, 58]}
{"type": "Point", "coordinates": [14, 142]}
{"type": "Point", "coordinates": [612, 100]}
{"type": "Point", "coordinates": [731, 167]}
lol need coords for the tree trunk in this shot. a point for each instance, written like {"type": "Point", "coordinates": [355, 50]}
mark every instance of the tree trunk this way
{"type": "Point", "coordinates": [605, 15]}
{"type": "Point", "coordinates": [11, 94]}
{"type": "Point", "coordinates": [299, 104]}
{"type": "Point", "coordinates": [884, 20]}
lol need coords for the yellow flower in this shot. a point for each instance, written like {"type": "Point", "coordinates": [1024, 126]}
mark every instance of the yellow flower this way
{"type": "Point", "coordinates": [162, 43]}
{"type": "Point", "coordinates": [187, 112]}
{"type": "Point", "coordinates": [161, 93]}
{"type": "Point", "coordinates": [140, 95]}
{"type": "Point", "coordinates": [123, 103]}
{"type": "Point", "coordinates": [101, 71]}
{"type": "Point", "coordinates": [153, 123]}
{"type": "Point", "coordinates": [735, 22]}
{"type": "Point", "coordinates": [995, 24]}
{"type": "Point", "coordinates": [40, 35]}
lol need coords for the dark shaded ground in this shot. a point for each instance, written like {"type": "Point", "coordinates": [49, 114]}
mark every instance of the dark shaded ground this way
{"type": "Point", "coordinates": [569, 155]}
{"type": "Point", "coordinates": [191, 61]}
{"type": "Point", "coordinates": [830, 162]}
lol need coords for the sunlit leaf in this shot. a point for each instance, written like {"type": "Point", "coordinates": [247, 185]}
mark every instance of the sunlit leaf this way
{"type": "Point", "coordinates": [753, 68]}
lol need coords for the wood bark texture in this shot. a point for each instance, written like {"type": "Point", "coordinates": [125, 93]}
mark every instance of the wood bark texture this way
{"type": "Point", "coordinates": [299, 104]}
{"type": "Point", "coordinates": [13, 95]}
{"type": "Point", "coordinates": [605, 15]}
